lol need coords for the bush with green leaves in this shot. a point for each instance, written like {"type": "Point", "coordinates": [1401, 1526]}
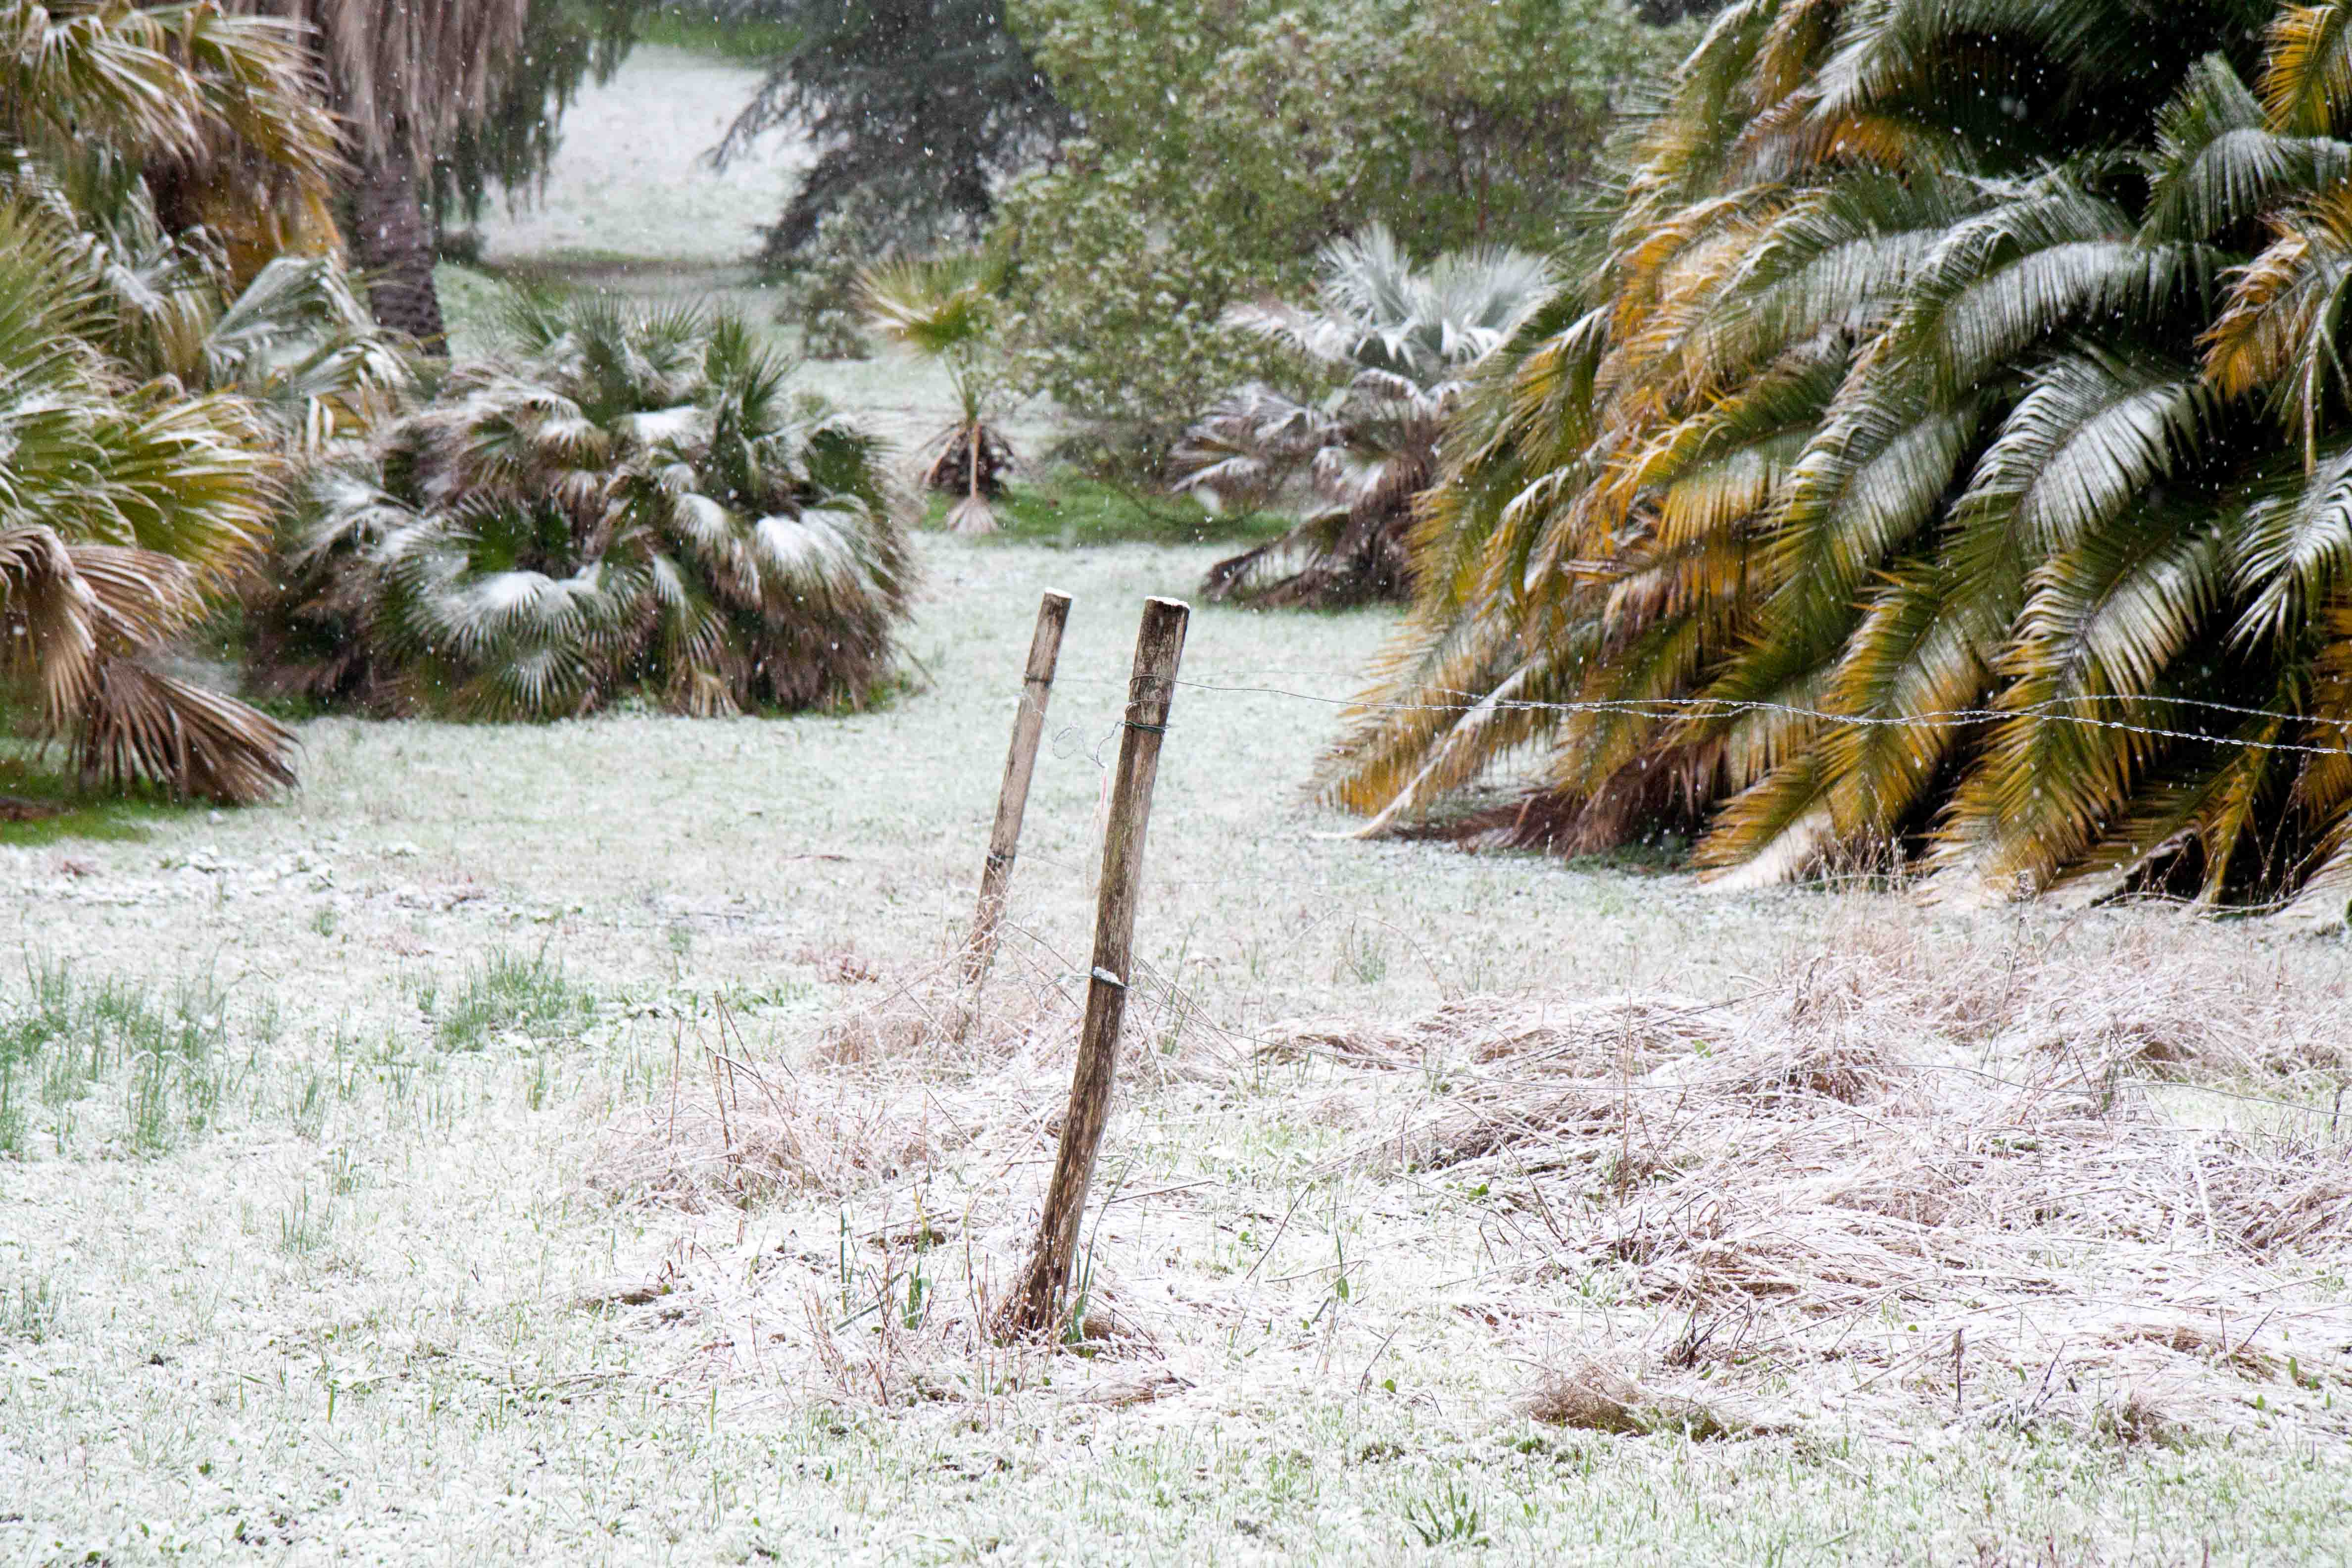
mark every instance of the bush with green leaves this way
{"type": "Point", "coordinates": [1226, 145]}
{"type": "Point", "coordinates": [624, 501]}
{"type": "Point", "coordinates": [1115, 311]}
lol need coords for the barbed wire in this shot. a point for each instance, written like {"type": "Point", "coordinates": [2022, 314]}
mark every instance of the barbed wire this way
{"type": "Point", "coordinates": [1667, 708]}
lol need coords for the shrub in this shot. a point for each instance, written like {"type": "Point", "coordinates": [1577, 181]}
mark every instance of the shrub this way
{"type": "Point", "coordinates": [625, 502]}
{"type": "Point", "coordinates": [1226, 145]}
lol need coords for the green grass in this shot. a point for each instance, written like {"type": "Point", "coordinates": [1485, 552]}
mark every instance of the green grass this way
{"type": "Point", "coordinates": [508, 993]}
{"type": "Point", "coordinates": [29, 1313]}
{"type": "Point", "coordinates": [66, 1041]}
{"type": "Point", "coordinates": [56, 810]}
{"type": "Point", "coordinates": [690, 26]}
{"type": "Point", "coordinates": [1071, 510]}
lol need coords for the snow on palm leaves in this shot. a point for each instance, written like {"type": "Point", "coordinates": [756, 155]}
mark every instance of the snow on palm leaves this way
{"type": "Point", "coordinates": [1404, 337]}
{"type": "Point", "coordinates": [627, 502]}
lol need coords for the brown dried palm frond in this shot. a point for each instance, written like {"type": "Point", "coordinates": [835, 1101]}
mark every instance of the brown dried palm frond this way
{"type": "Point", "coordinates": [404, 77]}
{"type": "Point", "coordinates": [74, 622]}
{"type": "Point", "coordinates": [121, 507]}
{"type": "Point", "coordinates": [145, 725]}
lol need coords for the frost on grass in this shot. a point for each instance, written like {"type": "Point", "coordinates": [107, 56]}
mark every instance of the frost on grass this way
{"type": "Point", "coordinates": [1920, 1170]}
{"type": "Point", "coordinates": [1882, 1185]}
{"type": "Point", "coordinates": [923, 1086]}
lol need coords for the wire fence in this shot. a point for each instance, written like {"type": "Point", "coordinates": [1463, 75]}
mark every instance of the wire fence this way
{"type": "Point", "coordinates": [1240, 879]}
{"type": "Point", "coordinates": [1713, 707]}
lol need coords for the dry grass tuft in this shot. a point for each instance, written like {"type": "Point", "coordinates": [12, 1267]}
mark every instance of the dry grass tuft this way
{"type": "Point", "coordinates": [1596, 1397]}
{"type": "Point", "coordinates": [886, 1088]}
{"type": "Point", "coordinates": [2124, 1157]}
{"type": "Point", "coordinates": [1992, 1185]}
{"type": "Point", "coordinates": [925, 1091]}
{"type": "Point", "coordinates": [937, 1022]}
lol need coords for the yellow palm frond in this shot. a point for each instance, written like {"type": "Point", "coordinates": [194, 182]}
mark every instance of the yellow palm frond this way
{"type": "Point", "coordinates": [2306, 80]}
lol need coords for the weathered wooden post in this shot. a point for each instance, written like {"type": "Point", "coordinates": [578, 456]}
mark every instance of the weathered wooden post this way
{"type": "Point", "coordinates": [1012, 798]}
{"type": "Point", "coordinates": [1036, 1301]}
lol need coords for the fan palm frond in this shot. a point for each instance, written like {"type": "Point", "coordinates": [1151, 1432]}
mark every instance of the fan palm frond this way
{"type": "Point", "coordinates": [548, 535]}
{"type": "Point", "coordinates": [1405, 337]}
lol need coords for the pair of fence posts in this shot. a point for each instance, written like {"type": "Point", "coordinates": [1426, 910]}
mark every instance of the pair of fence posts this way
{"type": "Point", "coordinates": [1035, 1303]}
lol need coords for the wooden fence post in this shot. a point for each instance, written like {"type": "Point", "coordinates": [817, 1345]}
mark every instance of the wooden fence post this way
{"type": "Point", "coordinates": [1012, 798]}
{"type": "Point", "coordinates": [1036, 1301]}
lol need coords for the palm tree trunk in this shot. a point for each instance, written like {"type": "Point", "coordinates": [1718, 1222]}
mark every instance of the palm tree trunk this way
{"type": "Point", "coordinates": [393, 244]}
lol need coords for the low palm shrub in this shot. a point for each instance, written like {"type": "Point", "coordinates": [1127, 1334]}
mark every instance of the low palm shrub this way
{"type": "Point", "coordinates": [945, 309]}
{"type": "Point", "coordinates": [1403, 338]}
{"type": "Point", "coordinates": [622, 501]}
{"type": "Point", "coordinates": [149, 384]}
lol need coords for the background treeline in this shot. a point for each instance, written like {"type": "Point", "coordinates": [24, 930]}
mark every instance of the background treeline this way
{"type": "Point", "coordinates": [1144, 167]}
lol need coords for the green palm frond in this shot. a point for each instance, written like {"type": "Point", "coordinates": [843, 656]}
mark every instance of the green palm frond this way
{"type": "Point", "coordinates": [935, 305]}
{"type": "Point", "coordinates": [161, 81]}
{"type": "Point", "coordinates": [2218, 164]}
{"type": "Point", "coordinates": [1376, 309]}
{"type": "Point", "coordinates": [2294, 553]}
{"type": "Point", "coordinates": [2104, 621]}
{"type": "Point", "coordinates": [1925, 378]}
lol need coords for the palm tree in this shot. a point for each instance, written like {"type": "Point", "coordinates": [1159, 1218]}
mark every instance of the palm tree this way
{"type": "Point", "coordinates": [1405, 338]}
{"type": "Point", "coordinates": [123, 507]}
{"type": "Point", "coordinates": [944, 308]}
{"type": "Point", "coordinates": [1949, 458]}
{"type": "Point", "coordinates": [628, 501]}
{"type": "Point", "coordinates": [139, 458]}
{"type": "Point", "coordinates": [406, 79]}
{"type": "Point", "coordinates": [83, 82]}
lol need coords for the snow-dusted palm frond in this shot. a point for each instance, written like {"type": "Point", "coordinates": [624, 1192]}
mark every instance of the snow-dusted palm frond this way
{"type": "Point", "coordinates": [1374, 310]}
{"type": "Point", "coordinates": [1405, 338]}
{"type": "Point", "coordinates": [1251, 447]}
{"type": "Point", "coordinates": [633, 507]}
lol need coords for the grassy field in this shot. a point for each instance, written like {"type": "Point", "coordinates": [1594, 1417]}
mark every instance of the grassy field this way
{"type": "Point", "coordinates": [369, 1195]}
{"type": "Point", "coordinates": [562, 1144]}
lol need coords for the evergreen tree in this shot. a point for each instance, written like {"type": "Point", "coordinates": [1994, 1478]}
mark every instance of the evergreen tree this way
{"type": "Point", "coordinates": [917, 106]}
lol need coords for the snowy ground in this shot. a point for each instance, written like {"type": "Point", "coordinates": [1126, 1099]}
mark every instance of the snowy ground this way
{"type": "Point", "coordinates": [552, 1143]}
{"type": "Point", "coordinates": [372, 1271]}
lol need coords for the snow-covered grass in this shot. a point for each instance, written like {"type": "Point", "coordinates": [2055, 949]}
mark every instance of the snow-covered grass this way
{"type": "Point", "coordinates": [557, 1143]}
{"type": "Point", "coordinates": [631, 180]}
{"type": "Point", "coordinates": [451, 1266]}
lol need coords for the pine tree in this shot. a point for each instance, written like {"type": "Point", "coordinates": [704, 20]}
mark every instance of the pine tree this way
{"type": "Point", "coordinates": [919, 106]}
